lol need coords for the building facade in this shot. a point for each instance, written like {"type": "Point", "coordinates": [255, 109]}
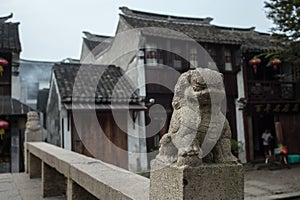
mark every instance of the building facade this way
{"type": "Point", "coordinates": [150, 47]}
{"type": "Point", "coordinates": [12, 111]}
{"type": "Point", "coordinates": [84, 104]}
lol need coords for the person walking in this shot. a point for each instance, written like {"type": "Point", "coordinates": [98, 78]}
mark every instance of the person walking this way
{"type": "Point", "coordinates": [267, 138]}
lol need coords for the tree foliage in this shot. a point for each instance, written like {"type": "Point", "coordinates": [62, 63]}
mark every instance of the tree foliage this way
{"type": "Point", "coordinates": [286, 16]}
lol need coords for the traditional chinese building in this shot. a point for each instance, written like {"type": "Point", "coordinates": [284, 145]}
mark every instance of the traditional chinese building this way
{"type": "Point", "coordinates": [12, 111]}
{"type": "Point", "coordinates": [84, 104]}
{"type": "Point", "coordinates": [254, 97]}
{"type": "Point", "coordinates": [272, 97]}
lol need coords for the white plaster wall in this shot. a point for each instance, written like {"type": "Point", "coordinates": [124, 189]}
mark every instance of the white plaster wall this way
{"type": "Point", "coordinates": [141, 79]}
{"type": "Point", "coordinates": [67, 133]}
{"type": "Point", "coordinates": [122, 52]}
{"type": "Point", "coordinates": [240, 117]}
{"type": "Point", "coordinates": [137, 148]}
{"type": "Point", "coordinates": [15, 88]}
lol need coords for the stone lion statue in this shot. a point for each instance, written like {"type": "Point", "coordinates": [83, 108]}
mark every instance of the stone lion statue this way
{"type": "Point", "coordinates": [33, 131]}
{"type": "Point", "coordinates": [199, 132]}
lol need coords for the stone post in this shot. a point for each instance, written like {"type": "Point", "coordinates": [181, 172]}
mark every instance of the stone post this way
{"type": "Point", "coordinates": [15, 147]}
{"type": "Point", "coordinates": [76, 192]}
{"type": "Point", "coordinates": [34, 166]}
{"type": "Point", "coordinates": [195, 159]}
{"type": "Point", "coordinates": [53, 183]}
{"type": "Point", "coordinates": [216, 181]}
{"type": "Point", "coordinates": [33, 133]}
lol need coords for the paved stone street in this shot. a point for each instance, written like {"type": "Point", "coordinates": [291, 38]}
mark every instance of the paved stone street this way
{"type": "Point", "coordinates": [272, 184]}
{"type": "Point", "coordinates": [20, 187]}
{"type": "Point", "coordinates": [259, 184]}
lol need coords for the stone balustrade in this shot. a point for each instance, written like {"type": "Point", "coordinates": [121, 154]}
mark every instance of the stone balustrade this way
{"type": "Point", "coordinates": [81, 177]}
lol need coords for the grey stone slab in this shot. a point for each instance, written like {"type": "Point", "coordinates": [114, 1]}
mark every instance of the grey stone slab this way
{"type": "Point", "coordinates": [255, 191]}
{"type": "Point", "coordinates": [214, 181]}
{"type": "Point", "coordinates": [29, 189]}
{"type": "Point", "coordinates": [107, 181]}
{"type": "Point", "coordinates": [257, 183]}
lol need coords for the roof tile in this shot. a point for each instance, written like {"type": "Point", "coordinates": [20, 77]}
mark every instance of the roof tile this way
{"type": "Point", "coordinates": [9, 35]}
{"type": "Point", "coordinates": [200, 30]}
{"type": "Point", "coordinates": [79, 83]}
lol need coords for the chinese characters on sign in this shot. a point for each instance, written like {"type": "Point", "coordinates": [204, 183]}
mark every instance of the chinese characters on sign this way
{"type": "Point", "coordinates": [276, 108]}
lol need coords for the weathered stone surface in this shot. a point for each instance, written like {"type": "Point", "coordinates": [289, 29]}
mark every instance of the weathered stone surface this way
{"type": "Point", "coordinates": [198, 127]}
{"type": "Point", "coordinates": [207, 181]}
{"type": "Point", "coordinates": [53, 183]}
{"type": "Point", "coordinates": [76, 192]}
{"type": "Point", "coordinates": [195, 159]}
{"type": "Point", "coordinates": [99, 179]}
{"type": "Point", "coordinates": [33, 132]}
{"type": "Point", "coordinates": [35, 166]}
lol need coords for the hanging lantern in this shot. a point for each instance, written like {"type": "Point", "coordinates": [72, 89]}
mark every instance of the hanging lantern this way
{"type": "Point", "coordinates": [3, 62]}
{"type": "Point", "coordinates": [1, 70]}
{"type": "Point", "coordinates": [275, 62]}
{"type": "Point", "coordinates": [2, 132]}
{"type": "Point", "coordinates": [3, 124]}
{"type": "Point", "coordinates": [254, 62]}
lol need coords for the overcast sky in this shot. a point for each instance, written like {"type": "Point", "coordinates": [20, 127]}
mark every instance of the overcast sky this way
{"type": "Point", "coordinates": [51, 30]}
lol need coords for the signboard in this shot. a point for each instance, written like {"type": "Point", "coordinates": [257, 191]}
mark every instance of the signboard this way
{"type": "Point", "coordinates": [274, 108]}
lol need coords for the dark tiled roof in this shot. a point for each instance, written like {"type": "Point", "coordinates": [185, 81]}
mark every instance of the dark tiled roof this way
{"type": "Point", "coordinates": [10, 106]}
{"type": "Point", "coordinates": [97, 43]}
{"type": "Point", "coordinates": [199, 29]}
{"type": "Point", "coordinates": [113, 85]}
{"type": "Point", "coordinates": [9, 35]}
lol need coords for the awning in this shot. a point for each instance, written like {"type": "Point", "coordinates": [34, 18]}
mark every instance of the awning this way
{"type": "Point", "coordinates": [89, 106]}
{"type": "Point", "coordinates": [10, 106]}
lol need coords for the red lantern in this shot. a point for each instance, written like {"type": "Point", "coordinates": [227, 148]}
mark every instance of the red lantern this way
{"type": "Point", "coordinates": [254, 62]}
{"type": "Point", "coordinates": [3, 124]}
{"type": "Point", "coordinates": [3, 62]}
{"type": "Point", "coordinates": [275, 62]}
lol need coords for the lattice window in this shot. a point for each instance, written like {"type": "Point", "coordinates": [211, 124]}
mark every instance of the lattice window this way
{"type": "Point", "coordinates": [151, 54]}
{"type": "Point", "coordinates": [297, 73]}
{"type": "Point", "coordinates": [228, 64]}
{"type": "Point", "coordinates": [193, 58]}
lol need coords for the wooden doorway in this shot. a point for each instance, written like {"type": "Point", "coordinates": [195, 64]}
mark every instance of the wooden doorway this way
{"type": "Point", "coordinates": [260, 123]}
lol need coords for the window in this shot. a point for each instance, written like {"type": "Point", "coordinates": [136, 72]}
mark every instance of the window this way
{"type": "Point", "coordinates": [297, 73]}
{"type": "Point", "coordinates": [161, 55]}
{"type": "Point", "coordinates": [193, 58]}
{"type": "Point", "coordinates": [213, 55]}
{"type": "Point", "coordinates": [228, 65]}
{"type": "Point", "coordinates": [177, 59]}
{"type": "Point", "coordinates": [151, 54]}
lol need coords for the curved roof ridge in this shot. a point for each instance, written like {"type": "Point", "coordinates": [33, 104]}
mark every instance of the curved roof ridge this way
{"type": "Point", "coordinates": [5, 18]}
{"type": "Point", "coordinates": [92, 36]}
{"type": "Point", "coordinates": [163, 17]}
{"type": "Point", "coordinates": [166, 20]}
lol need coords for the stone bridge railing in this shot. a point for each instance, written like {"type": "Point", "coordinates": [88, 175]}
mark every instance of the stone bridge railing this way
{"type": "Point", "coordinates": [80, 177]}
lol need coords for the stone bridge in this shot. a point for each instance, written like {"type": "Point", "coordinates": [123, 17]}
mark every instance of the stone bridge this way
{"type": "Point", "coordinates": [79, 177]}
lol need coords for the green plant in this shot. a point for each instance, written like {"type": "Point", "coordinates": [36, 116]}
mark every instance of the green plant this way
{"type": "Point", "coordinates": [236, 146]}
